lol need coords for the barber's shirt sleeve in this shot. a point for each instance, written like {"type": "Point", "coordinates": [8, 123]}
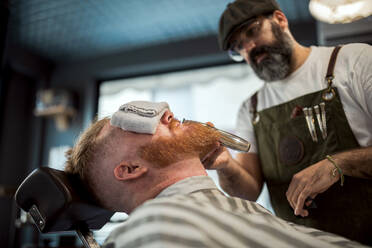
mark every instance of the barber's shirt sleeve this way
{"type": "Point", "coordinates": [244, 127]}
{"type": "Point", "coordinates": [362, 73]}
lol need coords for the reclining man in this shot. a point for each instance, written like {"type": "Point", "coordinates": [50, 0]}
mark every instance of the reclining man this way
{"type": "Point", "coordinates": [146, 163]}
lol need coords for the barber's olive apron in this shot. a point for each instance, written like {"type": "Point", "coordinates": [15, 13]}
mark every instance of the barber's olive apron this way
{"type": "Point", "coordinates": [286, 147]}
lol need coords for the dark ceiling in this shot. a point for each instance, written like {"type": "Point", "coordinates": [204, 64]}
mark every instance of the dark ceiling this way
{"type": "Point", "coordinates": [66, 30]}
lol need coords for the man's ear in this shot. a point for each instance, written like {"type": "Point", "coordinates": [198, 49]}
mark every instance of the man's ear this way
{"type": "Point", "coordinates": [281, 19]}
{"type": "Point", "coordinates": [128, 171]}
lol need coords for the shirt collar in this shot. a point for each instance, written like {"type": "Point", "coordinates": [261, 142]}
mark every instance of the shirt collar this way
{"type": "Point", "coordinates": [188, 185]}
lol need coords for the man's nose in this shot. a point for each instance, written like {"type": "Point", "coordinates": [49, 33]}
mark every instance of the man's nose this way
{"type": "Point", "coordinates": [167, 117]}
{"type": "Point", "coordinates": [247, 48]}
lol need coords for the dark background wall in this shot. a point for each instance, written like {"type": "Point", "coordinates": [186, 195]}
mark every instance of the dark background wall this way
{"type": "Point", "coordinates": [21, 134]}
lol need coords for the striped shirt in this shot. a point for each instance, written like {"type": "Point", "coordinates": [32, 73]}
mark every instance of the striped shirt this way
{"type": "Point", "coordinates": [194, 213]}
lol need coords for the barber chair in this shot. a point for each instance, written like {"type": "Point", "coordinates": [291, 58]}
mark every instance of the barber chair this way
{"type": "Point", "coordinates": [59, 202]}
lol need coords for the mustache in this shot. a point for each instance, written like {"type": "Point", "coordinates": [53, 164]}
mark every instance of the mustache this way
{"type": "Point", "coordinates": [198, 141]}
{"type": "Point", "coordinates": [174, 122]}
{"type": "Point", "coordinates": [265, 49]}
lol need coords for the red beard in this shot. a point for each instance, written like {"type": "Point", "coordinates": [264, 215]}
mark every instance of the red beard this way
{"type": "Point", "coordinates": [196, 141]}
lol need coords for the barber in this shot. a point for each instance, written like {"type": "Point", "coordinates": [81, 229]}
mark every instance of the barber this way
{"type": "Point", "coordinates": [310, 125]}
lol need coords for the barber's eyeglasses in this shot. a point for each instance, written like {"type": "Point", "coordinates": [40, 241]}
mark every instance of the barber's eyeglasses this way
{"type": "Point", "coordinates": [247, 34]}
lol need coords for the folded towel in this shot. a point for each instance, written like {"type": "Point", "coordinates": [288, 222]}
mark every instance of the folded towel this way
{"type": "Point", "coordinates": [139, 116]}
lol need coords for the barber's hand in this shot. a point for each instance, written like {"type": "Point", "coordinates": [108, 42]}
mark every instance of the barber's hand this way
{"type": "Point", "coordinates": [309, 182]}
{"type": "Point", "coordinates": [217, 158]}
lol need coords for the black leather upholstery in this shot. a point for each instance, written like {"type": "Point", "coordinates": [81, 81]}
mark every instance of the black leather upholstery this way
{"type": "Point", "coordinates": [61, 200]}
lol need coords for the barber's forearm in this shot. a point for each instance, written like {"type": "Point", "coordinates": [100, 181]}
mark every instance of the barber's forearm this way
{"type": "Point", "coordinates": [355, 163]}
{"type": "Point", "coordinates": [238, 182]}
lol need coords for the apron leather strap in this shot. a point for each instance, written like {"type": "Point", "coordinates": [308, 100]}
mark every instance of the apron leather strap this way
{"type": "Point", "coordinates": [331, 65]}
{"type": "Point", "coordinates": [329, 93]}
{"type": "Point", "coordinates": [253, 109]}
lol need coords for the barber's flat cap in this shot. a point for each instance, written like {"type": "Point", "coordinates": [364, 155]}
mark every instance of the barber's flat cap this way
{"type": "Point", "coordinates": [238, 13]}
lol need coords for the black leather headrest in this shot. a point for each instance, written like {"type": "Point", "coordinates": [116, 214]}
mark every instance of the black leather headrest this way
{"type": "Point", "coordinates": [58, 201]}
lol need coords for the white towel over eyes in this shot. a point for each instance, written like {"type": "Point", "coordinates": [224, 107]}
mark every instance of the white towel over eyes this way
{"type": "Point", "coordinates": [139, 116]}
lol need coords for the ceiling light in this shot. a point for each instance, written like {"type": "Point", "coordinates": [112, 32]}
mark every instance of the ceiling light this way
{"type": "Point", "coordinates": [340, 11]}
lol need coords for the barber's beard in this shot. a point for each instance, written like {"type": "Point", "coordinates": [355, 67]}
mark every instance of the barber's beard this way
{"type": "Point", "coordinates": [276, 65]}
{"type": "Point", "coordinates": [195, 141]}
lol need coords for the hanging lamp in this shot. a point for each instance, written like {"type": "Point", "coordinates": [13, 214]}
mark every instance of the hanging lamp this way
{"type": "Point", "coordinates": [340, 11]}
